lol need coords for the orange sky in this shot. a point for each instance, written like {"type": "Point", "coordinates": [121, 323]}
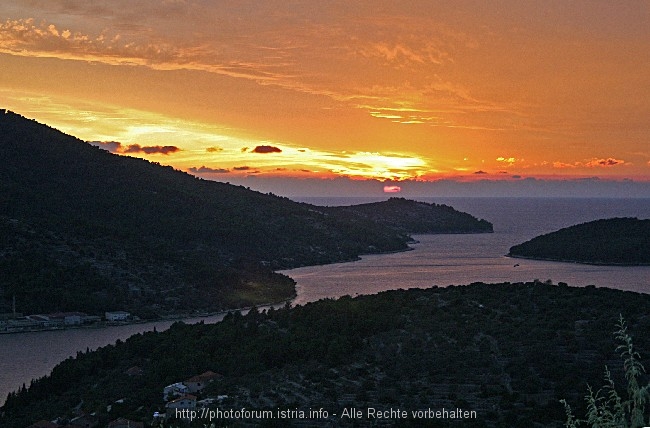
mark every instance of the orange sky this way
{"type": "Point", "coordinates": [409, 90]}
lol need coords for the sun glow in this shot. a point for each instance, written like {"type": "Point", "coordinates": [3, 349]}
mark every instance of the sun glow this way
{"type": "Point", "coordinates": [211, 150]}
{"type": "Point", "coordinates": [422, 93]}
{"type": "Point", "coordinates": [381, 166]}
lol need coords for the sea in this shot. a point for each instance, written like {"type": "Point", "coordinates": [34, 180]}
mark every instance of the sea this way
{"type": "Point", "coordinates": [440, 260]}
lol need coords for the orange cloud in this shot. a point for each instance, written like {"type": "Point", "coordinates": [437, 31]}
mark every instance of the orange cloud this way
{"type": "Point", "coordinates": [558, 164]}
{"type": "Point", "coordinates": [592, 163]}
{"type": "Point", "coordinates": [510, 161]}
{"type": "Point", "coordinates": [25, 37]}
{"type": "Point", "coordinates": [340, 81]}
{"type": "Point", "coordinates": [427, 45]}
{"type": "Point", "coordinates": [397, 53]}
{"type": "Point", "coordinates": [392, 189]}
{"type": "Point", "coordinates": [604, 162]}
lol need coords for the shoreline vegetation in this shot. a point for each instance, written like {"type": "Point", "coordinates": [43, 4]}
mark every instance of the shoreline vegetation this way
{"type": "Point", "coordinates": [606, 242]}
{"type": "Point", "coordinates": [575, 261]}
{"type": "Point", "coordinates": [184, 316]}
{"type": "Point", "coordinates": [179, 316]}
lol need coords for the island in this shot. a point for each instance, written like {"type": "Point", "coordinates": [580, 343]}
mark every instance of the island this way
{"type": "Point", "coordinates": [614, 241]}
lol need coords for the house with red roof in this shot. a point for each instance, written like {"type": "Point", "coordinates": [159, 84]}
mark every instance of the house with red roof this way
{"type": "Point", "coordinates": [198, 382]}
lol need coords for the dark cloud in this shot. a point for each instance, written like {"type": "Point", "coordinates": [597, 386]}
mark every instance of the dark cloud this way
{"type": "Point", "coordinates": [214, 149]}
{"type": "Point", "coordinates": [207, 170]}
{"type": "Point", "coordinates": [242, 168]}
{"type": "Point", "coordinates": [609, 161]}
{"type": "Point", "coordinates": [266, 149]}
{"type": "Point", "coordinates": [516, 176]}
{"type": "Point", "coordinates": [137, 148]}
{"type": "Point", "coordinates": [480, 172]}
{"type": "Point", "coordinates": [111, 146]}
{"type": "Point", "coordinates": [115, 147]}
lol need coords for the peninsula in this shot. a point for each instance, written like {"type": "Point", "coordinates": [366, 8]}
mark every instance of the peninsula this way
{"type": "Point", "coordinates": [84, 230]}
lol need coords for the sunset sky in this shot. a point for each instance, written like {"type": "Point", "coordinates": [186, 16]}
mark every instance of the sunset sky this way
{"type": "Point", "coordinates": [387, 94]}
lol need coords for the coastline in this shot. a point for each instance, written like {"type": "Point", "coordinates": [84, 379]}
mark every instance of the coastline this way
{"type": "Point", "coordinates": [171, 317]}
{"type": "Point", "coordinates": [180, 316]}
{"type": "Point", "coordinates": [549, 259]}
{"type": "Point", "coordinates": [379, 253]}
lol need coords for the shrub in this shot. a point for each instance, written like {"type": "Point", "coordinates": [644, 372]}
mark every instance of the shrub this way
{"type": "Point", "coordinates": [606, 408]}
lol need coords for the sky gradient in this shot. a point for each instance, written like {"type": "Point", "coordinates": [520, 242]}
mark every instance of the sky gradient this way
{"type": "Point", "coordinates": [296, 96]}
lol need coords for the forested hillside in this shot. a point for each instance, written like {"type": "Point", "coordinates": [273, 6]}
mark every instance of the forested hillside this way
{"type": "Point", "coordinates": [83, 229]}
{"type": "Point", "coordinates": [509, 352]}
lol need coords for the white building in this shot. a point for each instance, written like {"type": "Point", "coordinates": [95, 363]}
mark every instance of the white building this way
{"type": "Point", "coordinates": [68, 318]}
{"type": "Point", "coordinates": [186, 402]}
{"type": "Point", "coordinates": [117, 316]}
{"type": "Point", "coordinates": [175, 390]}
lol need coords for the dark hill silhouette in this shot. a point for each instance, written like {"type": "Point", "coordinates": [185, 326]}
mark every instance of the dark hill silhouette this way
{"type": "Point", "coordinates": [416, 217]}
{"type": "Point", "coordinates": [83, 229]}
{"type": "Point", "coordinates": [616, 241]}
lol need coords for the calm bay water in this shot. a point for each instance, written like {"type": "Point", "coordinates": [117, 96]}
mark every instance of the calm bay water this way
{"type": "Point", "coordinates": [436, 260]}
{"type": "Point", "coordinates": [462, 259]}
{"type": "Point", "coordinates": [27, 356]}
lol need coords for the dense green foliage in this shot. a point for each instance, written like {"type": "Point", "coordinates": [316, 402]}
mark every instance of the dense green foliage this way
{"type": "Point", "coordinates": [83, 229]}
{"type": "Point", "coordinates": [508, 351]}
{"type": "Point", "coordinates": [624, 241]}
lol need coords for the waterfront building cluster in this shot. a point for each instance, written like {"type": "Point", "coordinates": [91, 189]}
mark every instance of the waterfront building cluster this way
{"type": "Point", "coordinates": [17, 322]}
